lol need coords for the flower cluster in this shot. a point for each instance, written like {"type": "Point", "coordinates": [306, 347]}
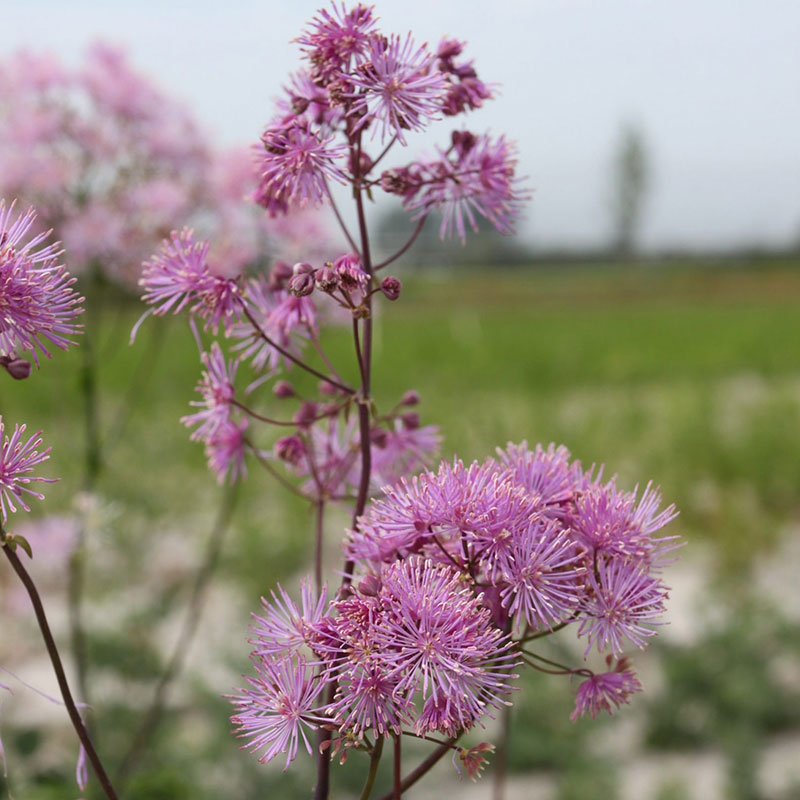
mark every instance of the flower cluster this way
{"type": "Point", "coordinates": [410, 648]}
{"type": "Point", "coordinates": [460, 568]}
{"type": "Point", "coordinates": [552, 543]}
{"type": "Point", "coordinates": [359, 80]}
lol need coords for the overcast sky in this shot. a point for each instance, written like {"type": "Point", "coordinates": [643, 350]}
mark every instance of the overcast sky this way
{"type": "Point", "coordinates": [713, 84]}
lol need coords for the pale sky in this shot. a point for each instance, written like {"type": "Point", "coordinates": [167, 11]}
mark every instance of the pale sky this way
{"type": "Point", "coordinates": [713, 84]}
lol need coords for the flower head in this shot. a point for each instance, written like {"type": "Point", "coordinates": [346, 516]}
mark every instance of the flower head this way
{"type": "Point", "coordinates": [37, 301]}
{"type": "Point", "coordinates": [479, 180]}
{"type": "Point", "coordinates": [294, 165]}
{"type": "Point", "coordinates": [623, 602]}
{"type": "Point", "coordinates": [333, 40]}
{"type": "Point", "coordinates": [179, 276]}
{"type": "Point", "coordinates": [606, 691]}
{"type": "Point", "coordinates": [18, 458]}
{"type": "Point", "coordinates": [278, 709]}
{"type": "Point", "coordinates": [397, 88]}
{"type": "Point", "coordinates": [217, 390]}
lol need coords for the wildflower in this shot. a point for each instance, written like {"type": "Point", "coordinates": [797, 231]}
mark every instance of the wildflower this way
{"type": "Point", "coordinates": [225, 450]}
{"type": "Point", "coordinates": [481, 182]}
{"type": "Point", "coordinates": [261, 303]}
{"type": "Point", "coordinates": [438, 639]}
{"type": "Point", "coordinates": [285, 628]}
{"type": "Point", "coordinates": [402, 451]}
{"type": "Point", "coordinates": [606, 691]}
{"type": "Point", "coordinates": [399, 89]}
{"type": "Point", "coordinates": [37, 301]}
{"type": "Point", "coordinates": [334, 40]}
{"type": "Point", "coordinates": [279, 708]}
{"type": "Point", "coordinates": [542, 575]}
{"type": "Point", "coordinates": [295, 163]}
{"type": "Point", "coordinates": [546, 473]}
{"type": "Point", "coordinates": [610, 521]}
{"type": "Point", "coordinates": [217, 389]}
{"type": "Point", "coordinates": [349, 273]}
{"type": "Point", "coordinates": [622, 602]}
{"type": "Point", "coordinates": [18, 458]}
{"type": "Point", "coordinates": [179, 276]}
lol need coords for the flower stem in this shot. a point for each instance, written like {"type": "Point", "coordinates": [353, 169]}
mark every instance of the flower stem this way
{"type": "Point", "coordinates": [320, 528]}
{"type": "Point", "coordinates": [374, 760]}
{"type": "Point", "coordinates": [284, 352]}
{"type": "Point", "coordinates": [405, 247]}
{"type": "Point", "coordinates": [58, 667]}
{"type": "Point", "coordinates": [397, 768]}
{"type": "Point", "coordinates": [423, 768]}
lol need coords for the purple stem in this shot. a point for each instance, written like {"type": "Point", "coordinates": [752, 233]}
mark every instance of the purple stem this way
{"type": "Point", "coordinates": [284, 352]}
{"type": "Point", "coordinates": [422, 769]}
{"type": "Point", "coordinates": [405, 247]}
{"type": "Point", "coordinates": [61, 677]}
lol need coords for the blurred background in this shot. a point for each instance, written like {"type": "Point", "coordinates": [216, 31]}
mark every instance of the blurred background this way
{"type": "Point", "coordinates": [646, 316]}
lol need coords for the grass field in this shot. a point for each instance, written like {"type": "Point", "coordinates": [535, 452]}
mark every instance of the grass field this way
{"type": "Point", "coordinates": [687, 375]}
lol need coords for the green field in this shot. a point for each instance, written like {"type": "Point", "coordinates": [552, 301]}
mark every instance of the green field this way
{"type": "Point", "coordinates": [688, 375]}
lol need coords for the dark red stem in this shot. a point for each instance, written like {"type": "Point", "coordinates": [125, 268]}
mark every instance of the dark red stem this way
{"type": "Point", "coordinates": [61, 677]}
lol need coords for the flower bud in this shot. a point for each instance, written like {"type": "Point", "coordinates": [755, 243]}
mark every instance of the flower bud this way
{"type": "Point", "coordinates": [350, 273]}
{"type": "Point", "coordinates": [369, 585]}
{"type": "Point", "coordinates": [410, 420]}
{"type": "Point", "coordinates": [326, 279]}
{"type": "Point", "coordinates": [391, 287]}
{"type": "Point", "coordinates": [378, 437]}
{"type": "Point", "coordinates": [301, 284]}
{"type": "Point", "coordinates": [290, 449]}
{"type": "Point", "coordinates": [410, 398]}
{"type": "Point", "coordinates": [283, 389]}
{"type": "Point", "coordinates": [305, 414]}
{"type": "Point", "coordinates": [17, 368]}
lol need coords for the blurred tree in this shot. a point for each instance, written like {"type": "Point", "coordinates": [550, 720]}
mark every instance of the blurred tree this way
{"type": "Point", "coordinates": [630, 176]}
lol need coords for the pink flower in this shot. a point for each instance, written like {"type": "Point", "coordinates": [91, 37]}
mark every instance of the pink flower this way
{"type": "Point", "coordinates": [623, 602]}
{"type": "Point", "coordinates": [279, 708]}
{"type": "Point", "coordinates": [605, 691]}
{"type": "Point", "coordinates": [285, 628]}
{"type": "Point", "coordinates": [397, 89]}
{"type": "Point", "coordinates": [225, 450]}
{"type": "Point", "coordinates": [179, 276]}
{"type": "Point", "coordinates": [543, 575]}
{"type": "Point", "coordinates": [334, 40]}
{"type": "Point", "coordinates": [294, 166]}
{"type": "Point", "coordinates": [18, 458]}
{"type": "Point", "coordinates": [479, 181]}
{"type": "Point", "coordinates": [37, 301]}
{"type": "Point", "coordinates": [217, 390]}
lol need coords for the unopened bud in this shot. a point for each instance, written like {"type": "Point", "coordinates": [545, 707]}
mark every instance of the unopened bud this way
{"type": "Point", "coordinates": [283, 389]}
{"type": "Point", "coordinates": [326, 278]}
{"type": "Point", "coordinates": [306, 413]}
{"type": "Point", "coordinates": [410, 398]}
{"type": "Point", "coordinates": [290, 449]}
{"type": "Point", "coordinates": [17, 368]}
{"type": "Point", "coordinates": [378, 437]}
{"type": "Point", "coordinates": [301, 284]}
{"type": "Point", "coordinates": [391, 287]}
{"type": "Point", "coordinates": [410, 420]}
{"type": "Point", "coordinates": [369, 585]}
